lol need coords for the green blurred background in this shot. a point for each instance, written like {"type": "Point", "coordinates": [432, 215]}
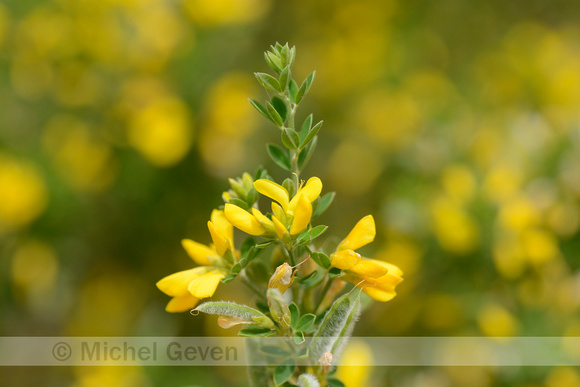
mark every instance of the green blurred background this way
{"type": "Point", "coordinates": [457, 124]}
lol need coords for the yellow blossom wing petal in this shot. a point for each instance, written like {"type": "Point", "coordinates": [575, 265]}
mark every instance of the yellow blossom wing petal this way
{"type": "Point", "coordinates": [389, 266]}
{"type": "Point", "coordinates": [243, 220]}
{"type": "Point", "coordinates": [204, 286]}
{"type": "Point", "coordinates": [280, 228]}
{"type": "Point", "coordinates": [175, 285]}
{"type": "Point", "coordinates": [181, 303]}
{"type": "Point", "coordinates": [221, 223]}
{"type": "Point", "coordinates": [367, 268]}
{"type": "Point", "coordinates": [378, 294]}
{"type": "Point", "coordinates": [222, 244]}
{"type": "Point", "coordinates": [345, 259]}
{"type": "Point", "coordinates": [274, 191]}
{"type": "Point", "coordinates": [383, 288]}
{"type": "Point", "coordinates": [361, 234]}
{"type": "Point", "coordinates": [302, 215]}
{"type": "Point", "coordinates": [201, 254]}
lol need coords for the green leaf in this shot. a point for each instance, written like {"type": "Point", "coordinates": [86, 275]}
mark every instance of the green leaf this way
{"type": "Point", "coordinates": [309, 80]}
{"type": "Point", "coordinates": [313, 280]}
{"type": "Point", "coordinates": [290, 186]}
{"type": "Point", "coordinates": [268, 81]}
{"type": "Point", "coordinates": [285, 78]}
{"type": "Point", "coordinates": [292, 55]}
{"type": "Point", "coordinates": [321, 259]}
{"type": "Point", "coordinates": [246, 246]}
{"type": "Point", "coordinates": [305, 322]}
{"type": "Point", "coordinates": [253, 332]}
{"type": "Point", "coordinates": [290, 138]}
{"type": "Point", "coordinates": [240, 203]}
{"type": "Point", "coordinates": [308, 277]}
{"type": "Point", "coordinates": [334, 272]}
{"type": "Point", "coordinates": [230, 309]}
{"type": "Point", "coordinates": [280, 107]}
{"type": "Point", "coordinates": [305, 129]}
{"type": "Point", "coordinates": [282, 373]}
{"type": "Point", "coordinates": [275, 351]}
{"type": "Point", "coordinates": [274, 114]}
{"type": "Point", "coordinates": [274, 62]}
{"type": "Point", "coordinates": [306, 153]}
{"type": "Point", "coordinates": [292, 91]}
{"type": "Point", "coordinates": [334, 383]}
{"type": "Point", "coordinates": [316, 232]}
{"type": "Point", "coordinates": [298, 337]}
{"type": "Point", "coordinates": [236, 268]}
{"type": "Point", "coordinates": [261, 173]}
{"type": "Point", "coordinates": [261, 109]}
{"type": "Point", "coordinates": [228, 279]}
{"type": "Point", "coordinates": [313, 132]}
{"type": "Point", "coordinates": [279, 156]}
{"type": "Point", "coordinates": [304, 87]}
{"type": "Point", "coordinates": [325, 202]}
{"type": "Point", "coordinates": [294, 314]}
{"type": "Point", "coordinates": [263, 245]}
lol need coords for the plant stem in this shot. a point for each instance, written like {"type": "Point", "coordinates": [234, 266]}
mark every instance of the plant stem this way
{"type": "Point", "coordinates": [253, 287]}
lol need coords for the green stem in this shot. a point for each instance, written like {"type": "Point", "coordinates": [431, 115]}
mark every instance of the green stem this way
{"type": "Point", "coordinates": [292, 125]}
{"type": "Point", "coordinates": [323, 294]}
{"type": "Point", "coordinates": [253, 287]}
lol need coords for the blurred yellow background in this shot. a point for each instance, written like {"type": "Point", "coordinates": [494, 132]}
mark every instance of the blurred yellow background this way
{"type": "Point", "coordinates": [457, 124]}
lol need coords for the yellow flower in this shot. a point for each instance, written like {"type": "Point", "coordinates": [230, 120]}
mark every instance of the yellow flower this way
{"type": "Point", "coordinates": [187, 287]}
{"type": "Point", "coordinates": [376, 278]}
{"type": "Point", "coordinates": [289, 216]}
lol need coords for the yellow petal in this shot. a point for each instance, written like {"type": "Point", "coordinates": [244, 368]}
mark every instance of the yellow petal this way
{"type": "Point", "coordinates": [273, 190]}
{"type": "Point", "coordinates": [311, 191]}
{"type": "Point", "coordinates": [280, 229]}
{"type": "Point", "coordinates": [379, 294]}
{"type": "Point", "coordinates": [362, 234]}
{"type": "Point", "coordinates": [204, 286]}
{"type": "Point", "coordinates": [221, 223]}
{"type": "Point", "coordinates": [175, 285]}
{"type": "Point", "coordinates": [302, 215]}
{"type": "Point", "coordinates": [201, 254]}
{"type": "Point", "coordinates": [369, 269]}
{"type": "Point", "coordinates": [181, 303]}
{"type": "Point", "coordinates": [345, 259]}
{"type": "Point", "coordinates": [389, 266]}
{"type": "Point", "coordinates": [243, 220]}
{"type": "Point", "coordinates": [222, 244]}
{"type": "Point", "coordinates": [380, 289]}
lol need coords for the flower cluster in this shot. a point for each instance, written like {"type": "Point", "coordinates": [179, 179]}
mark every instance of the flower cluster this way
{"type": "Point", "coordinates": [294, 293]}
